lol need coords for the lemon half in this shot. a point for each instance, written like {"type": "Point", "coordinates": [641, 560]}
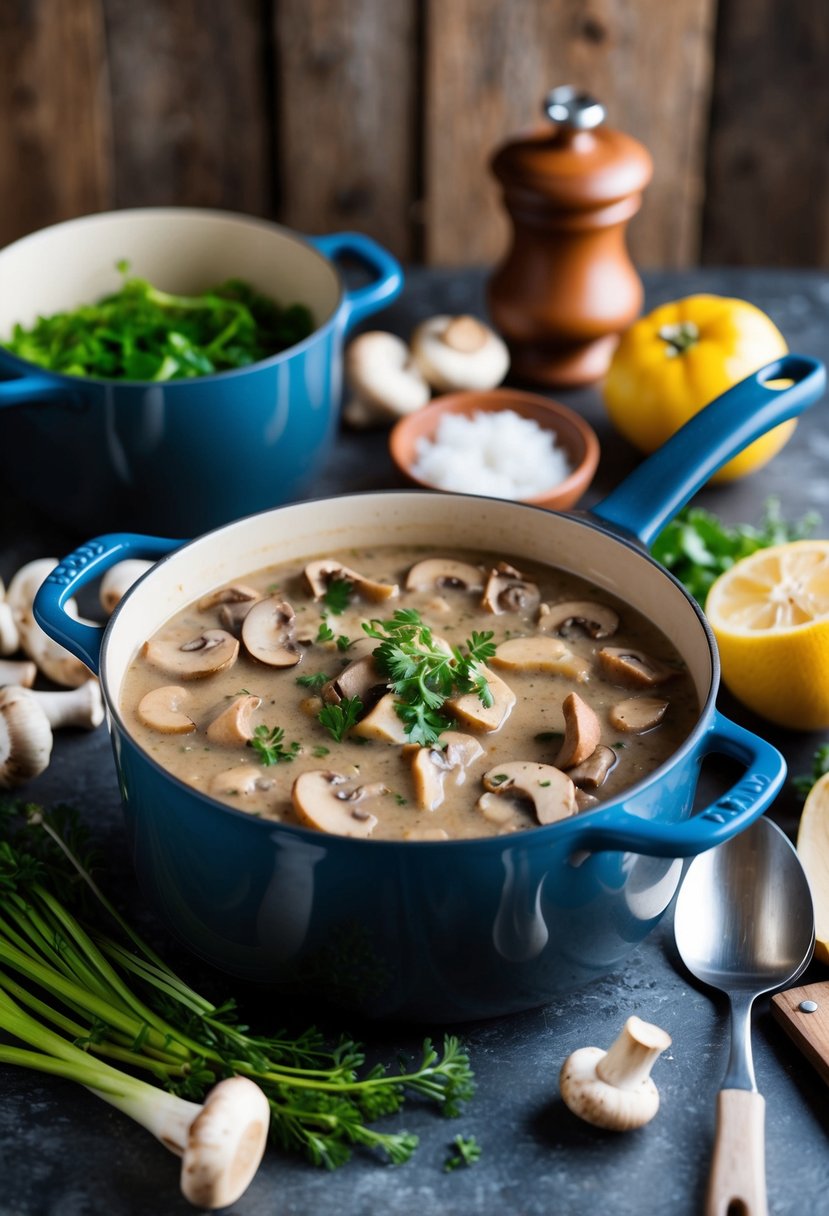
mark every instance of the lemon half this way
{"type": "Point", "coordinates": [770, 616]}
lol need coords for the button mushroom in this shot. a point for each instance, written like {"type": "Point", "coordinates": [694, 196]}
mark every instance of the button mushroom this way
{"type": "Point", "coordinates": [359, 679]}
{"type": "Point", "coordinates": [632, 667]}
{"type": "Point", "coordinates": [574, 616]}
{"type": "Point", "coordinates": [9, 636]}
{"type": "Point", "coordinates": [540, 653]}
{"type": "Point", "coordinates": [382, 722]}
{"type": "Point", "coordinates": [333, 803]}
{"type": "Point", "coordinates": [453, 753]}
{"type": "Point", "coordinates": [508, 591]}
{"type": "Point", "coordinates": [18, 671]}
{"type": "Point", "coordinates": [637, 714]}
{"type": "Point", "coordinates": [384, 381]}
{"type": "Point", "coordinates": [117, 581]}
{"type": "Point", "coordinates": [268, 633]}
{"type": "Point", "coordinates": [320, 573]}
{"type": "Point", "coordinates": [225, 1144]}
{"type": "Point", "coordinates": [444, 573]}
{"type": "Point", "coordinates": [233, 727]}
{"type": "Point", "coordinates": [459, 353]}
{"type": "Point", "coordinates": [161, 710]}
{"type": "Point", "coordinates": [25, 738]}
{"type": "Point", "coordinates": [582, 732]}
{"type": "Point", "coordinates": [208, 653]}
{"type": "Point", "coordinates": [593, 771]}
{"type": "Point", "coordinates": [551, 792]}
{"type": "Point", "coordinates": [470, 709]}
{"type": "Point", "coordinates": [613, 1089]}
{"type": "Point", "coordinates": [233, 603]}
{"type": "Point", "coordinates": [242, 780]}
{"type": "Point", "coordinates": [51, 658]}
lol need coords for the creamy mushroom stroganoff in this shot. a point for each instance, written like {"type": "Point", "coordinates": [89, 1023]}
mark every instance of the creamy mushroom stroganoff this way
{"type": "Point", "coordinates": [396, 693]}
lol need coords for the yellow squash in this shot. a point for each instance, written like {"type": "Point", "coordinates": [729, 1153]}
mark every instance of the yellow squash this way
{"type": "Point", "coordinates": [671, 363]}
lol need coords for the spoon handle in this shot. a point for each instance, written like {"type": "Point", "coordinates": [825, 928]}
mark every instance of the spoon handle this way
{"type": "Point", "coordinates": [738, 1171]}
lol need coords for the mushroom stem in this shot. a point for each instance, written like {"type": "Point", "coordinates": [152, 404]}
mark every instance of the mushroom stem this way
{"type": "Point", "coordinates": [9, 636]}
{"type": "Point", "coordinates": [117, 581]}
{"type": "Point", "coordinates": [630, 1058]}
{"type": "Point", "coordinates": [613, 1089]}
{"type": "Point", "coordinates": [17, 671]}
{"type": "Point", "coordinates": [81, 707]}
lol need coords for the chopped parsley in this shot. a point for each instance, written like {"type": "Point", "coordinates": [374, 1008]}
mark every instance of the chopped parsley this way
{"type": "Point", "coordinates": [268, 745]}
{"type": "Point", "coordinates": [465, 1151]}
{"type": "Point", "coordinates": [338, 595]}
{"type": "Point", "coordinates": [316, 681]}
{"type": "Point", "coordinates": [339, 719]}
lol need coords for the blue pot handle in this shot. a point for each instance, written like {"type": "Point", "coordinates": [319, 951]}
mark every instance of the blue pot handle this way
{"type": "Point", "coordinates": [86, 563]}
{"type": "Point", "coordinates": [388, 284]}
{"type": "Point", "coordinates": [652, 495]}
{"type": "Point", "coordinates": [32, 388]}
{"type": "Point", "coordinates": [735, 810]}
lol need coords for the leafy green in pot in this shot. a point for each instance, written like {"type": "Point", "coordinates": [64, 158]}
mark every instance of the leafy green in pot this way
{"type": "Point", "coordinates": [698, 547]}
{"type": "Point", "coordinates": [142, 333]}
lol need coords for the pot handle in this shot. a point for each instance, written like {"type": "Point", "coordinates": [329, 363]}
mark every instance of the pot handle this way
{"type": "Point", "coordinates": [75, 571]}
{"type": "Point", "coordinates": [729, 815]}
{"type": "Point", "coordinates": [32, 388]}
{"type": "Point", "coordinates": [651, 496]}
{"type": "Point", "coordinates": [387, 285]}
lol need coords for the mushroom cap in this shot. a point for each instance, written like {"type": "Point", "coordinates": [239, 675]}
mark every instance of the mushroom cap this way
{"type": "Point", "coordinates": [361, 678]}
{"type": "Point", "coordinates": [331, 802]}
{"type": "Point", "coordinates": [624, 665]}
{"type": "Point", "coordinates": [381, 373]}
{"type": "Point", "coordinates": [320, 573]}
{"type": "Point", "coordinates": [25, 737]}
{"type": "Point", "coordinates": [582, 731]}
{"type": "Point", "coordinates": [459, 353]}
{"type": "Point", "coordinates": [470, 709]}
{"type": "Point", "coordinates": [232, 726]}
{"type": "Point", "coordinates": [601, 1104]}
{"type": "Point", "coordinates": [225, 1143]}
{"type": "Point", "coordinates": [551, 792]}
{"type": "Point", "coordinates": [637, 714]}
{"type": "Point", "coordinates": [242, 779]}
{"type": "Point", "coordinates": [161, 710]}
{"type": "Point", "coordinates": [444, 573]}
{"type": "Point", "coordinates": [508, 591]}
{"type": "Point", "coordinates": [539, 652]}
{"type": "Point", "coordinates": [597, 620]}
{"type": "Point", "coordinates": [208, 653]}
{"type": "Point", "coordinates": [382, 722]}
{"type": "Point", "coordinates": [117, 581]}
{"type": "Point", "coordinates": [232, 593]}
{"type": "Point", "coordinates": [268, 633]}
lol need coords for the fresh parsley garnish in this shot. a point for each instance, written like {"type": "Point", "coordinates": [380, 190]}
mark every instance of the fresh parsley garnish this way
{"type": "Point", "coordinates": [423, 675]}
{"type": "Point", "coordinates": [343, 642]}
{"type": "Point", "coordinates": [319, 751]}
{"type": "Point", "coordinates": [325, 633]}
{"type": "Point", "coordinates": [268, 745]}
{"type": "Point", "coordinates": [338, 595]}
{"type": "Point", "coordinates": [338, 719]}
{"type": "Point", "coordinates": [465, 1151]}
{"type": "Point", "coordinates": [698, 547]}
{"type": "Point", "coordinates": [315, 681]}
{"type": "Point", "coordinates": [820, 766]}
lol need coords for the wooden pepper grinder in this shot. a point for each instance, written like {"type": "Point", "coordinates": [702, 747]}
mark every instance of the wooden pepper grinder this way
{"type": "Point", "coordinates": [567, 286]}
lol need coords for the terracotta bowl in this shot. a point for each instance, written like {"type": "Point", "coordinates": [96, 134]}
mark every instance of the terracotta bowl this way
{"type": "Point", "coordinates": [575, 436]}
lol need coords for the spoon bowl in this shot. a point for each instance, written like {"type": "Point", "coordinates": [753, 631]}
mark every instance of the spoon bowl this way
{"type": "Point", "coordinates": [744, 924]}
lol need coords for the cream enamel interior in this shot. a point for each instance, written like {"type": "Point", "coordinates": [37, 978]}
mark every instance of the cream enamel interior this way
{"type": "Point", "coordinates": [311, 529]}
{"type": "Point", "coordinates": [180, 250]}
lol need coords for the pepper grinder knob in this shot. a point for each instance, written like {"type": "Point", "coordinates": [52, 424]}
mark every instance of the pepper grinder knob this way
{"type": "Point", "coordinates": [574, 109]}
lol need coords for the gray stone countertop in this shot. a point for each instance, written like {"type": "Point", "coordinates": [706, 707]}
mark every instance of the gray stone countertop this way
{"type": "Point", "coordinates": [65, 1153]}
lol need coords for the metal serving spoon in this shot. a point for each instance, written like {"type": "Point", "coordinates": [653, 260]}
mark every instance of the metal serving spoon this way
{"type": "Point", "coordinates": [744, 924]}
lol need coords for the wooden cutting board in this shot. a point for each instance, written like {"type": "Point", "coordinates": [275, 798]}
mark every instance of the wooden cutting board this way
{"type": "Point", "coordinates": [809, 1031]}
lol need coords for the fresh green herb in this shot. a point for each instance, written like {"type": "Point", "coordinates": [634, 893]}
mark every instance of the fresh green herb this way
{"type": "Point", "coordinates": [337, 595]}
{"type": "Point", "coordinates": [544, 784]}
{"type": "Point", "coordinates": [267, 743]}
{"type": "Point", "coordinates": [498, 779]}
{"type": "Point", "coordinates": [319, 751]}
{"type": "Point", "coordinates": [697, 547]}
{"type": "Point", "coordinates": [87, 998]}
{"type": "Point", "coordinates": [325, 633]}
{"type": "Point", "coordinates": [315, 681]}
{"type": "Point", "coordinates": [343, 642]}
{"type": "Point", "coordinates": [424, 675]}
{"type": "Point", "coordinates": [465, 1151]}
{"type": "Point", "coordinates": [619, 746]}
{"type": "Point", "coordinates": [339, 719]}
{"type": "Point", "coordinates": [142, 333]}
{"type": "Point", "coordinates": [400, 800]}
{"type": "Point", "coordinates": [820, 766]}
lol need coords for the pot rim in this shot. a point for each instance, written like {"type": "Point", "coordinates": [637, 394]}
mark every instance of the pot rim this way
{"type": "Point", "coordinates": [480, 843]}
{"type": "Point", "coordinates": [27, 368]}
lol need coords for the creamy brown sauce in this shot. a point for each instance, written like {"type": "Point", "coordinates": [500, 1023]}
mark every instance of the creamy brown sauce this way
{"type": "Point", "coordinates": [531, 732]}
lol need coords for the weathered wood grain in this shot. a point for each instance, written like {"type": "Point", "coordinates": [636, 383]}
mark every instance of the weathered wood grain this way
{"type": "Point", "coordinates": [189, 103]}
{"type": "Point", "coordinates": [54, 113]}
{"type": "Point", "coordinates": [488, 67]}
{"type": "Point", "coordinates": [345, 96]}
{"type": "Point", "coordinates": [768, 173]}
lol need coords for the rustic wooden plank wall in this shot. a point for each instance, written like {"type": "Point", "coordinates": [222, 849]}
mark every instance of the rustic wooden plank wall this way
{"type": "Point", "coordinates": [381, 115]}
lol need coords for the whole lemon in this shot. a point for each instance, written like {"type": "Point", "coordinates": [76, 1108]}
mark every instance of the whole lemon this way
{"type": "Point", "coordinates": [673, 362]}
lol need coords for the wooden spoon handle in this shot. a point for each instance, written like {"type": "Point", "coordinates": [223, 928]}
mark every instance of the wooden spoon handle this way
{"type": "Point", "coordinates": [809, 1030]}
{"type": "Point", "coordinates": [738, 1170]}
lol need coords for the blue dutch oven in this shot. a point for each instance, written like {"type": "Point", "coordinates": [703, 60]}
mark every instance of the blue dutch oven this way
{"type": "Point", "coordinates": [184, 455]}
{"type": "Point", "coordinates": [455, 929]}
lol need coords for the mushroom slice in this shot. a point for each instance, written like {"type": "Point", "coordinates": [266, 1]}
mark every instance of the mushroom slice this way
{"type": "Point", "coordinates": [574, 616]}
{"type": "Point", "coordinates": [232, 726]}
{"type": "Point", "coordinates": [268, 633]}
{"type": "Point", "coordinates": [383, 722]}
{"type": "Point", "coordinates": [582, 732]}
{"type": "Point", "coordinates": [593, 771]}
{"type": "Point", "coordinates": [495, 809]}
{"type": "Point", "coordinates": [508, 591]}
{"type": "Point", "coordinates": [161, 710]}
{"type": "Point", "coordinates": [25, 738]}
{"type": "Point", "coordinates": [540, 653]}
{"type": "Point", "coordinates": [637, 714]}
{"type": "Point", "coordinates": [470, 709]}
{"type": "Point", "coordinates": [444, 573]}
{"type": "Point", "coordinates": [359, 679]}
{"type": "Point", "coordinates": [426, 834]}
{"type": "Point", "coordinates": [233, 593]}
{"type": "Point", "coordinates": [624, 666]}
{"type": "Point", "coordinates": [459, 353]}
{"type": "Point", "coordinates": [242, 780]}
{"type": "Point", "coordinates": [208, 653]}
{"type": "Point", "coordinates": [431, 765]}
{"type": "Point", "coordinates": [320, 573]}
{"type": "Point", "coordinates": [333, 803]}
{"type": "Point", "coordinates": [551, 791]}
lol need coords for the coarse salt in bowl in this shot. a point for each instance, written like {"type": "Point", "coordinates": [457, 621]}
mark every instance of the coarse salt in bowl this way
{"type": "Point", "coordinates": [500, 443]}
